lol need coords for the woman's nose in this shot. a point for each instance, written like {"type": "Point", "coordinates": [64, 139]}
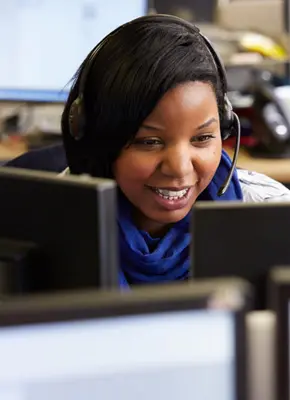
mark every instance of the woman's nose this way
{"type": "Point", "coordinates": [177, 163]}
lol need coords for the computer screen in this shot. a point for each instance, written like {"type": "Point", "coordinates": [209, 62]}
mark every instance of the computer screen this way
{"type": "Point", "coordinates": [245, 240]}
{"type": "Point", "coordinates": [171, 355]}
{"type": "Point", "coordinates": [279, 302]}
{"type": "Point", "coordinates": [43, 42]}
{"type": "Point", "coordinates": [56, 232]}
{"type": "Point", "coordinates": [191, 10]}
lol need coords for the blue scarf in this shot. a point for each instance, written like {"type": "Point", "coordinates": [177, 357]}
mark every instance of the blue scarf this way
{"type": "Point", "coordinates": [145, 259]}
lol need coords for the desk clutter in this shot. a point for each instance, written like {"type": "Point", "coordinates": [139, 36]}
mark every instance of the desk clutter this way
{"type": "Point", "coordinates": [67, 331]}
{"type": "Point", "coordinates": [25, 127]}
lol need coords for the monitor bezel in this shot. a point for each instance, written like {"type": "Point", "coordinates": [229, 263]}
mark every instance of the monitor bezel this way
{"type": "Point", "coordinates": [279, 302]}
{"type": "Point", "coordinates": [52, 97]}
{"type": "Point", "coordinates": [84, 305]}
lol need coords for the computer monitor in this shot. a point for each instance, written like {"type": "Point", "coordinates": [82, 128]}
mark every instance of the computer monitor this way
{"type": "Point", "coordinates": [180, 341]}
{"type": "Point", "coordinates": [279, 302]}
{"type": "Point", "coordinates": [197, 11]}
{"type": "Point", "coordinates": [240, 239]}
{"type": "Point", "coordinates": [56, 232]}
{"type": "Point", "coordinates": [261, 371]}
{"type": "Point", "coordinates": [44, 42]}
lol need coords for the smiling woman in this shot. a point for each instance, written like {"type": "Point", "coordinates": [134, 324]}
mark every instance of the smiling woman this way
{"type": "Point", "coordinates": [148, 108]}
{"type": "Point", "coordinates": [175, 155]}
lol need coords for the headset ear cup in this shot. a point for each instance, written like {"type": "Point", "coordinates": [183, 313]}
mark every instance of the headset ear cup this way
{"type": "Point", "coordinates": [76, 125]}
{"type": "Point", "coordinates": [226, 133]}
{"type": "Point", "coordinates": [227, 126]}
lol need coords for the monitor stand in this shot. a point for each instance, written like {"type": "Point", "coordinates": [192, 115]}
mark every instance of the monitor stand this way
{"type": "Point", "coordinates": [16, 260]}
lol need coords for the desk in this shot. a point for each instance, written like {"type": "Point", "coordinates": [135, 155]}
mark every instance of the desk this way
{"type": "Point", "coordinates": [278, 169]}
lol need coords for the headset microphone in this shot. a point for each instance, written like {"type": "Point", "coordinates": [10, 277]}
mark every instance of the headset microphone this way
{"type": "Point", "coordinates": [227, 181]}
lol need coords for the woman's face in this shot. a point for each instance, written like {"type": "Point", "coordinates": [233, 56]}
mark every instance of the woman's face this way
{"type": "Point", "coordinates": [173, 157]}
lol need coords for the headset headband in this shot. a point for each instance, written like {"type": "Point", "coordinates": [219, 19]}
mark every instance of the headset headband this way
{"type": "Point", "coordinates": [155, 18]}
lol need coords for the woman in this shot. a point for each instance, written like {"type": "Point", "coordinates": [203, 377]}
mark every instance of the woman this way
{"type": "Point", "coordinates": [147, 108]}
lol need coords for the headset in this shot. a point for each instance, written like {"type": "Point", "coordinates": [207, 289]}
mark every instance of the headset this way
{"type": "Point", "coordinates": [230, 124]}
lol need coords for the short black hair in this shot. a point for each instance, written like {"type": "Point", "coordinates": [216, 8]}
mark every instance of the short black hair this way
{"type": "Point", "coordinates": [130, 73]}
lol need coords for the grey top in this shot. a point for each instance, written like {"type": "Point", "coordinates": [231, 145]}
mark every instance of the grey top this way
{"type": "Point", "coordinates": [258, 187]}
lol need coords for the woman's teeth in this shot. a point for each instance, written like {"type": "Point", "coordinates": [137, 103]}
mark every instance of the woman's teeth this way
{"type": "Point", "coordinates": [171, 194]}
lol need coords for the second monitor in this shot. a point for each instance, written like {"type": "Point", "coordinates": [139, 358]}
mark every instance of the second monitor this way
{"type": "Point", "coordinates": [39, 68]}
{"type": "Point", "coordinates": [56, 232]}
{"type": "Point", "coordinates": [240, 239]}
{"type": "Point", "coordinates": [151, 343]}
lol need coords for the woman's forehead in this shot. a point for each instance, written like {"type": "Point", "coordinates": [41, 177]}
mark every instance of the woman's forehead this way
{"type": "Point", "coordinates": [188, 98]}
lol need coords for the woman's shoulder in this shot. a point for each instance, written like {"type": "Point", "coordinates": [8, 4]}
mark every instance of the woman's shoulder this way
{"type": "Point", "coordinates": [257, 187]}
{"type": "Point", "coordinates": [51, 158]}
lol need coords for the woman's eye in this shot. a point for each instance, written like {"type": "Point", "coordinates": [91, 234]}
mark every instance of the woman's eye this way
{"type": "Point", "coordinates": [202, 138]}
{"type": "Point", "coordinates": [147, 142]}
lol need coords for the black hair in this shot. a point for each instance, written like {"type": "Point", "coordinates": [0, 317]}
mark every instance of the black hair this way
{"type": "Point", "coordinates": [130, 73]}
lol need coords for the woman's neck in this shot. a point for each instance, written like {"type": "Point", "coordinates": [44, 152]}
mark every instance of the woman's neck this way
{"type": "Point", "coordinates": [153, 228]}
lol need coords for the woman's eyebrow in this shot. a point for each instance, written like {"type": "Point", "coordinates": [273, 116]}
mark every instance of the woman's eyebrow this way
{"type": "Point", "coordinates": [207, 123]}
{"type": "Point", "coordinates": [151, 128]}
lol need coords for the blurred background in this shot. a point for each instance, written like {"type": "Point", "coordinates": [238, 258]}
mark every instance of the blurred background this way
{"type": "Point", "coordinates": [44, 42]}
